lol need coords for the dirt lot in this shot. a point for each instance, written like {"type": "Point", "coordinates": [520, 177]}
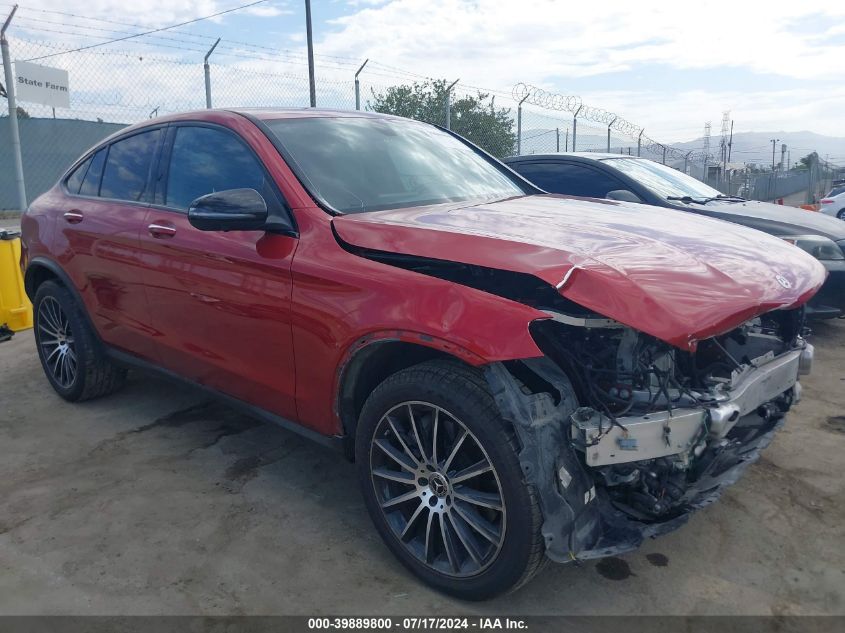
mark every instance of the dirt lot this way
{"type": "Point", "coordinates": [157, 500]}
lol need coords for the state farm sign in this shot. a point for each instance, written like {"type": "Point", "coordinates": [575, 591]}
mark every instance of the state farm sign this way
{"type": "Point", "coordinates": [42, 84]}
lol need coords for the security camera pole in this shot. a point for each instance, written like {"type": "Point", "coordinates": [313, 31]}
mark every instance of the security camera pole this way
{"type": "Point", "coordinates": [311, 85]}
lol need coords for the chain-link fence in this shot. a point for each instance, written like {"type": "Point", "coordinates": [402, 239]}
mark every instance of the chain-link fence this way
{"type": "Point", "coordinates": [114, 87]}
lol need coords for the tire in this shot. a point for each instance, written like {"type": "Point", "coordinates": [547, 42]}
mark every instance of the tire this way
{"type": "Point", "coordinates": [482, 551]}
{"type": "Point", "coordinates": [841, 214]}
{"type": "Point", "coordinates": [70, 354]}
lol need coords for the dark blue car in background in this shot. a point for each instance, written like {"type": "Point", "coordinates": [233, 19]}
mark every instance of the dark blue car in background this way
{"type": "Point", "coordinates": [633, 179]}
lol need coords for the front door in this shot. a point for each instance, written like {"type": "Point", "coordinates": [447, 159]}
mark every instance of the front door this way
{"type": "Point", "coordinates": [219, 301]}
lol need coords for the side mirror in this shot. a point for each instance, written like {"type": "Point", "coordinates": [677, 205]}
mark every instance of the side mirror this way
{"type": "Point", "coordinates": [623, 195]}
{"type": "Point", "coordinates": [229, 210]}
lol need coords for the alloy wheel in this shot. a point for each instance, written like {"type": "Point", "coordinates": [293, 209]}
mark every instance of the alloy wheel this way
{"type": "Point", "coordinates": [55, 338]}
{"type": "Point", "coordinates": [437, 489]}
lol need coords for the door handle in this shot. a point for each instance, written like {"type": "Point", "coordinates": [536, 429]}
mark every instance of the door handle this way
{"type": "Point", "coordinates": [73, 216]}
{"type": "Point", "coordinates": [161, 230]}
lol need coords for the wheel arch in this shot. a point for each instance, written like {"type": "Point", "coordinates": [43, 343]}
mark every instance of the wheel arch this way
{"type": "Point", "coordinates": [375, 357]}
{"type": "Point", "coordinates": [42, 269]}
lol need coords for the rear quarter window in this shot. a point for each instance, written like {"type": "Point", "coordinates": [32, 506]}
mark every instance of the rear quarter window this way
{"type": "Point", "coordinates": [74, 181]}
{"type": "Point", "coordinates": [127, 168]}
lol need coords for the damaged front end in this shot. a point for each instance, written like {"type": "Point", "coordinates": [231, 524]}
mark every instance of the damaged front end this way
{"type": "Point", "coordinates": [624, 435]}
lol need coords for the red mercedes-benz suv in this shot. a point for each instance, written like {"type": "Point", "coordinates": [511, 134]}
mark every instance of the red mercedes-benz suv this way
{"type": "Point", "coordinates": [519, 376]}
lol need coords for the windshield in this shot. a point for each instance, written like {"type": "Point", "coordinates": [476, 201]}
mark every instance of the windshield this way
{"type": "Point", "coordinates": [357, 164]}
{"type": "Point", "coordinates": [662, 180]}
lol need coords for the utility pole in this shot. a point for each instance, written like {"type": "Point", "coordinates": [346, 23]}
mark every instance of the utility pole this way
{"type": "Point", "coordinates": [311, 85]}
{"type": "Point", "coordinates": [357, 85]}
{"type": "Point", "coordinates": [731, 140]}
{"type": "Point", "coordinates": [207, 70]}
{"type": "Point", "coordinates": [13, 113]}
{"type": "Point", "coordinates": [773, 141]}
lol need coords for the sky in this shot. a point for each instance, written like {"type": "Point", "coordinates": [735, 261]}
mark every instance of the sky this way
{"type": "Point", "coordinates": [664, 66]}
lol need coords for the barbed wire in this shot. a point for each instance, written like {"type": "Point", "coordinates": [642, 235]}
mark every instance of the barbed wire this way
{"type": "Point", "coordinates": [526, 93]}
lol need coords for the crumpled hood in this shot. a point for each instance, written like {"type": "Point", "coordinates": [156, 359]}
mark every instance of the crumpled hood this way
{"type": "Point", "coordinates": [674, 275]}
{"type": "Point", "coordinates": [777, 219]}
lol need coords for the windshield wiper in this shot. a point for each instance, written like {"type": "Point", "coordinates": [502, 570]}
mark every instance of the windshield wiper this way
{"type": "Point", "coordinates": [704, 200]}
{"type": "Point", "coordinates": [687, 199]}
{"type": "Point", "coordinates": [721, 197]}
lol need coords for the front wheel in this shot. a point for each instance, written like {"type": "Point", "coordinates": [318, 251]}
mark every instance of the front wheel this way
{"type": "Point", "coordinates": [841, 214]}
{"type": "Point", "coordinates": [440, 476]}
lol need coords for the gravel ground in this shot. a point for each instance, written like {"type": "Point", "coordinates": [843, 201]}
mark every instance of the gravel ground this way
{"type": "Point", "coordinates": [157, 500]}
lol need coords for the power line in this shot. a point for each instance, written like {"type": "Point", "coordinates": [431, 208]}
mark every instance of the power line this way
{"type": "Point", "coordinates": [158, 30]}
{"type": "Point", "coordinates": [226, 43]}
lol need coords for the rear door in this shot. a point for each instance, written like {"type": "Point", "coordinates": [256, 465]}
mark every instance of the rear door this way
{"type": "Point", "coordinates": [220, 301]}
{"type": "Point", "coordinates": [105, 207]}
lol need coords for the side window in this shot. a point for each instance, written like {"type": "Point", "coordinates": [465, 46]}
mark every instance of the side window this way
{"type": "Point", "coordinates": [569, 178]}
{"type": "Point", "coordinates": [74, 181]}
{"type": "Point", "coordinates": [205, 160]}
{"type": "Point", "coordinates": [91, 184]}
{"type": "Point", "coordinates": [127, 167]}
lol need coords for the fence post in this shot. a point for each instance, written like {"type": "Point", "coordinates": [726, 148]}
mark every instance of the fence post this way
{"type": "Point", "coordinates": [664, 154]}
{"type": "Point", "coordinates": [640, 141]}
{"type": "Point", "coordinates": [358, 86]}
{"type": "Point", "coordinates": [312, 86]}
{"type": "Point", "coordinates": [557, 139]}
{"type": "Point", "coordinates": [567, 139]}
{"type": "Point", "coordinates": [207, 70]}
{"type": "Point", "coordinates": [519, 125]}
{"type": "Point", "coordinates": [449, 104]}
{"type": "Point", "coordinates": [608, 133]}
{"type": "Point", "coordinates": [13, 113]}
{"type": "Point", "coordinates": [575, 126]}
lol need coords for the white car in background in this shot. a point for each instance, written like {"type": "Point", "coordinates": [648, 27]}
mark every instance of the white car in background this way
{"type": "Point", "coordinates": [834, 202]}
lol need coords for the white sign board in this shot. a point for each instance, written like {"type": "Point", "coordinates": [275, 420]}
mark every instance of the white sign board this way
{"type": "Point", "coordinates": [42, 84]}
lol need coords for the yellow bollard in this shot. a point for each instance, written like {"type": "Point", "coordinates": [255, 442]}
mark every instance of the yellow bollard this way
{"type": "Point", "coordinates": [15, 308]}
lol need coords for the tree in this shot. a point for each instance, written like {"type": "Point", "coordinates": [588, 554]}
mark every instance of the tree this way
{"type": "Point", "coordinates": [808, 161]}
{"type": "Point", "coordinates": [474, 117]}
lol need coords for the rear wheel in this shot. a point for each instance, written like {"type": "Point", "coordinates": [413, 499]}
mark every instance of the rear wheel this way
{"type": "Point", "coordinates": [841, 214]}
{"type": "Point", "coordinates": [72, 360]}
{"type": "Point", "coordinates": [440, 476]}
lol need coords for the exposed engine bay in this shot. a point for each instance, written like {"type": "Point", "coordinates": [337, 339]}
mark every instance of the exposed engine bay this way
{"type": "Point", "coordinates": [647, 432]}
{"type": "Point", "coordinates": [651, 414]}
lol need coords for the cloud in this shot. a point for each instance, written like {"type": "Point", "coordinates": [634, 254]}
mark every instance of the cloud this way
{"type": "Point", "coordinates": [550, 44]}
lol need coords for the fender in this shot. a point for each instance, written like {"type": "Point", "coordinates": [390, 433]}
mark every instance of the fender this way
{"type": "Point", "coordinates": [55, 269]}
